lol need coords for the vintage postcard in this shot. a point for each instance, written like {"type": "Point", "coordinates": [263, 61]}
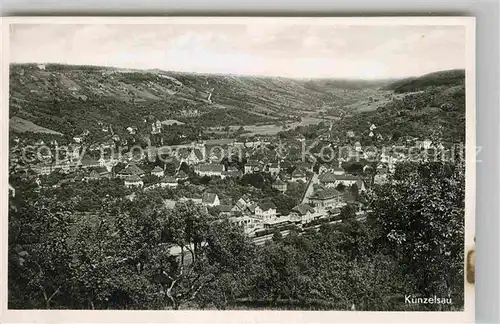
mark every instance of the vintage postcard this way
{"type": "Point", "coordinates": [236, 169]}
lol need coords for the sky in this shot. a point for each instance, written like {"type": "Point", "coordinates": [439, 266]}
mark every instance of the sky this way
{"type": "Point", "coordinates": [298, 51]}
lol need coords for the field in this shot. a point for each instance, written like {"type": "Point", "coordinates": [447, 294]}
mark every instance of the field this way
{"type": "Point", "coordinates": [270, 129]}
{"type": "Point", "coordinates": [20, 125]}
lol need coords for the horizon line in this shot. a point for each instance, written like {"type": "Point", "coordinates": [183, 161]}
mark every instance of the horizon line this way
{"type": "Point", "coordinates": [235, 74]}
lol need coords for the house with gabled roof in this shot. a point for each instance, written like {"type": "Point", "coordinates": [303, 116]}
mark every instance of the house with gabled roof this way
{"type": "Point", "coordinates": [210, 199]}
{"type": "Point", "coordinates": [348, 180]}
{"type": "Point", "coordinates": [94, 175]}
{"type": "Point", "coordinates": [274, 168]}
{"type": "Point", "coordinates": [225, 210]}
{"type": "Point", "coordinates": [252, 166]}
{"type": "Point", "coordinates": [265, 210]}
{"type": "Point", "coordinates": [157, 172]}
{"type": "Point", "coordinates": [231, 172]}
{"type": "Point", "coordinates": [88, 162]}
{"type": "Point", "coordinates": [327, 179]}
{"type": "Point", "coordinates": [299, 175]}
{"type": "Point", "coordinates": [133, 181]}
{"type": "Point", "coordinates": [131, 170]}
{"type": "Point", "coordinates": [305, 212]}
{"type": "Point", "coordinates": [192, 156]}
{"type": "Point", "coordinates": [280, 185]}
{"type": "Point", "coordinates": [169, 181]}
{"type": "Point", "coordinates": [209, 169]}
{"type": "Point", "coordinates": [326, 198]}
{"type": "Point", "coordinates": [181, 176]}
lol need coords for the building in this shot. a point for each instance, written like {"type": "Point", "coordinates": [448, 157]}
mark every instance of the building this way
{"type": "Point", "coordinates": [209, 169]}
{"type": "Point", "coordinates": [252, 166]}
{"type": "Point", "coordinates": [357, 147]}
{"type": "Point", "coordinates": [280, 185]}
{"type": "Point", "coordinates": [232, 172]}
{"type": "Point", "coordinates": [210, 199]}
{"type": "Point", "coordinates": [327, 179]}
{"type": "Point", "coordinates": [265, 211]}
{"type": "Point", "coordinates": [88, 162]}
{"type": "Point", "coordinates": [349, 180]}
{"type": "Point", "coordinates": [133, 181]}
{"type": "Point", "coordinates": [43, 168]}
{"type": "Point", "coordinates": [225, 210]}
{"type": "Point", "coordinates": [157, 172]}
{"type": "Point", "coordinates": [249, 223]}
{"type": "Point", "coordinates": [130, 170]}
{"type": "Point", "coordinates": [326, 198]}
{"type": "Point", "coordinates": [192, 157]}
{"type": "Point", "coordinates": [94, 175]}
{"type": "Point", "coordinates": [181, 176]}
{"type": "Point", "coordinates": [196, 201]}
{"type": "Point", "coordinates": [274, 168]}
{"type": "Point", "coordinates": [299, 175]}
{"type": "Point", "coordinates": [305, 212]}
{"type": "Point", "coordinates": [169, 181]}
{"type": "Point", "coordinates": [338, 170]}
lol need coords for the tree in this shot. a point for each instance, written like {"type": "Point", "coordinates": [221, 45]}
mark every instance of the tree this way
{"type": "Point", "coordinates": [208, 248]}
{"type": "Point", "coordinates": [348, 213]}
{"type": "Point", "coordinates": [39, 232]}
{"type": "Point", "coordinates": [420, 219]}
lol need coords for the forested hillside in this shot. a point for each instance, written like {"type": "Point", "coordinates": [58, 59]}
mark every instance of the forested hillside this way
{"type": "Point", "coordinates": [441, 78]}
{"type": "Point", "coordinates": [432, 107]}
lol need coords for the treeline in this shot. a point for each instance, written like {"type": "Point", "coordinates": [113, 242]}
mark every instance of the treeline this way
{"type": "Point", "coordinates": [126, 254]}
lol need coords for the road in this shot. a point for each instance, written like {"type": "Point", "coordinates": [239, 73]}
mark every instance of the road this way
{"type": "Point", "coordinates": [310, 188]}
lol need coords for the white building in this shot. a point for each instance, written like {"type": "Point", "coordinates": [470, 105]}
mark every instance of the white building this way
{"type": "Point", "coordinates": [265, 211]}
{"type": "Point", "coordinates": [157, 172]}
{"type": "Point", "coordinates": [210, 199]}
{"type": "Point", "coordinates": [133, 181]}
{"type": "Point", "coordinates": [209, 169]}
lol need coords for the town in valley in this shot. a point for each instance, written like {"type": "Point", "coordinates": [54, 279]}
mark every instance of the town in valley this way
{"type": "Point", "coordinates": [148, 188]}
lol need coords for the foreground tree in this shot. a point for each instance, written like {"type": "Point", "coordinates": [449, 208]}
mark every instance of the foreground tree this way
{"type": "Point", "coordinates": [420, 219]}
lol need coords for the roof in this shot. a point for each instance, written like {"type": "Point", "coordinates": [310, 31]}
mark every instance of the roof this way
{"type": "Point", "coordinates": [169, 179]}
{"type": "Point", "coordinates": [89, 161]}
{"type": "Point", "coordinates": [252, 163]}
{"type": "Point", "coordinates": [347, 177]}
{"type": "Point", "coordinates": [327, 177]}
{"type": "Point", "coordinates": [208, 197]}
{"type": "Point", "coordinates": [298, 173]}
{"type": "Point", "coordinates": [181, 175]}
{"type": "Point", "coordinates": [210, 167]}
{"type": "Point", "coordinates": [190, 153]}
{"type": "Point", "coordinates": [225, 208]}
{"type": "Point", "coordinates": [274, 165]}
{"type": "Point", "coordinates": [94, 174]}
{"type": "Point", "coordinates": [133, 178]}
{"type": "Point", "coordinates": [251, 208]}
{"type": "Point", "coordinates": [101, 170]}
{"type": "Point", "coordinates": [302, 209]}
{"type": "Point", "coordinates": [267, 205]}
{"type": "Point", "coordinates": [132, 169]}
{"type": "Point", "coordinates": [232, 173]}
{"type": "Point", "coordinates": [323, 194]}
{"type": "Point", "coordinates": [157, 169]}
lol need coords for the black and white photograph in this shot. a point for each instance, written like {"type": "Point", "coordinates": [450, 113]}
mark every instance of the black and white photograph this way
{"type": "Point", "coordinates": [241, 164]}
